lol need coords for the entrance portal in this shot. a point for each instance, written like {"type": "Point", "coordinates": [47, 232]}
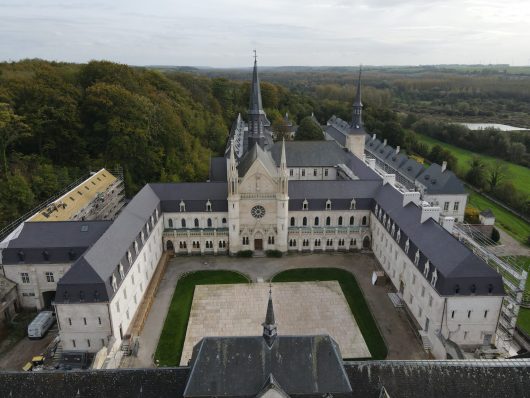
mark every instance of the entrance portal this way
{"type": "Point", "coordinates": [366, 242]}
{"type": "Point", "coordinates": [258, 244]}
{"type": "Point", "coordinates": [48, 298]}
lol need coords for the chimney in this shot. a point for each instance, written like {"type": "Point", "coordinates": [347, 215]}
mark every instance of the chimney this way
{"type": "Point", "coordinates": [428, 211]}
{"type": "Point", "coordinates": [398, 148]}
{"type": "Point", "coordinates": [371, 163]}
{"type": "Point", "coordinates": [444, 166]}
{"type": "Point", "coordinates": [413, 197]}
{"type": "Point", "coordinates": [374, 136]}
{"type": "Point", "coordinates": [384, 142]}
{"type": "Point", "coordinates": [448, 223]}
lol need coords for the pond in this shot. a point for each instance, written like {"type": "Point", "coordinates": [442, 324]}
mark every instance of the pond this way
{"type": "Point", "coordinates": [482, 126]}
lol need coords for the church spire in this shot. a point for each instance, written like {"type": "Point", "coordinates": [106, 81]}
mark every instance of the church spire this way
{"type": "Point", "coordinates": [257, 119]}
{"type": "Point", "coordinates": [283, 161]}
{"type": "Point", "coordinates": [357, 120]}
{"type": "Point", "coordinates": [284, 174]}
{"type": "Point", "coordinates": [269, 326]}
{"type": "Point", "coordinates": [232, 171]}
{"type": "Point", "coordinates": [255, 90]}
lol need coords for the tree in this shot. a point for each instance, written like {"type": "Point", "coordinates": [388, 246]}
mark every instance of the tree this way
{"type": "Point", "coordinates": [12, 128]}
{"type": "Point", "coordinates": [476, 173]}
{"type": "Point", "coordinates": [308, 130]}
{"type": "Point", "coordinates": [16, 197]}
{"type": "Point", "coordinates": [496, 173]}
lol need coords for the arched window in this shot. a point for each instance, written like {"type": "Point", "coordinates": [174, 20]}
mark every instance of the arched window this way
{"type": "Point", "coordinates": [209, 222]}
{"type": "Point", "coordinates": [364, 220]}
{"type": "Point", "coordinates": [304, 221]}
{"type": "Point", "coordinates": [224, 220]}
{"type": "Point", "coordinates": [328, 220]}
{"type": "Point", "coordinates": [353, 204]}
{"type": "Point", "coordinates": [352, 220]}
{"type": "Point", "coordinates": [170, 223]}
{"type": "Point", "coordinates": [196, 223]}
{"type": "Point", "coordinates": [316, 221]}
{"type": "Point", "coordinates": [328, 204]}
{"type": "Point", "coordinates": [183, 223]}
{"type": "Point", "coordinates": [340, 220]}
{"type": "Point", "coordinates": [305, 204]}
{"type": "Point", "coordinates": [208, 206]}
{"type": "Point", "coordinates": [292, 221]}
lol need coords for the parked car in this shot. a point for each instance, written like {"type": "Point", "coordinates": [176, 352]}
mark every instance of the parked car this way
{"type": "Point", "coordinates": [40, 325]}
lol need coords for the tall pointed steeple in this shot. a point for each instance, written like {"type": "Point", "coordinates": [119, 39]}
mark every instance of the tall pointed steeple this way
{"type": "Point", "coordinates": [269, 326]}
{"type": "Point", "coordinates": [232, 171]}
{"type": "Point", "coordinates": [257, 119]}
{"type": "Point", "coordinates": [357, 120]}
{"type": "Point", "coordinates": [284, 174]}
{"type": "Point", "coordinates": [255, 90]}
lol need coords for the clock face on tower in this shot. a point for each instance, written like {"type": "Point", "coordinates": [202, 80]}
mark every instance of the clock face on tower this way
{"type": "Point", "coordinates": [257, 211]}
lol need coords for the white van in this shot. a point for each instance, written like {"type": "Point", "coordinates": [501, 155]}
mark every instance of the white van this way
{"type": "Point", "coordinates": [40, 325]}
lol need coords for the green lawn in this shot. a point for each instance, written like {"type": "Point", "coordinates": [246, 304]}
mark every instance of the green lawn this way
{"type": "Point", "coordinates": [519, 175]}
{"type": "Point", "coordinates": [353, 295]}
{"type": "Point", "coordinates": [513, 225]}
{"type": "Point", "coordinates": [523, 321]}
{"type": "Point", "coordinates": [171, 341]}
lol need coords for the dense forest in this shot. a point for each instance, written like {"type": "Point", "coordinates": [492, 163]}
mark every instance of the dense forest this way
{"type": "Point", "coordinates": [59, 120]}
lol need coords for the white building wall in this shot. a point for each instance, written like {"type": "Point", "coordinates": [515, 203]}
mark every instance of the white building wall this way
{"type": "Point", "coordinates": [30, 294]}
{"type": "Point", "coordinates": [431, 311]}
{"type": "Point", "coordinates": [447, 205]}
{"type": "Point", "coordinates": [130, 293]}
{"type": "Point", "coordinates": [312, 173]}
{"type": "Point", "coordinates": [83, 326]}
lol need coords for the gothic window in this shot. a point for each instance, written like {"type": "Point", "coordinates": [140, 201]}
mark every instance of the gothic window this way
{"type": "Point", "coordinates": [364, 220]}
{"type": "Point", "coordinates": [328, 220]}
{"type": "Point", "coordinates": [170, 223]}
{"type": "Point", "coordinates": [209, 222]}
{"type": "Point", "coordinates": [328, 204]}
{"type": "Point", "coordinates": [224, 220]}
{"type": "Point", "coordinates": [305, 205]}
{"type": "Point", "coordinates": [183, 223]}
{"type": "Point", "coordinates": [196, 223]}
{"type": "Point", "coordinates": [316, 221]}
{"type": "Point", "coordinates": [208, 206]}
{"type": "Point", "coordinates": [352, 204]}
{"type": "Point", "coordinates": [352, 220]}
{"type": "Point", "coordinates": [182, 206]}
{"type": "Point", "coordinates": [304, 221]}
{"type": "Point", "coordinates": [292, 221]}
{"type": "Point", "coordinates": [340, 220]}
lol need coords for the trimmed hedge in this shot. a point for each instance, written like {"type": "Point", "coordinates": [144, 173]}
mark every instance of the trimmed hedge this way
{"type": "Point", "coordinates": [274, 253]}
{"type": "Point", "coordinates": [353, 295]}
{"type": "Point", "coordinates": [244, 253]}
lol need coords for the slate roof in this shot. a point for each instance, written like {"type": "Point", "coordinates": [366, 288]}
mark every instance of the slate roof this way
{"type": "Point", "coordinates": [195, 195]}
{"type": "Point", "coordinates": [257, 153]}
{"type": "Point", "coordinates": [310, 153]}
{"type": "Point", "coordinates": [454, 262]}
{"type": "Point", "coordinates": [63, 241]}
{"type": "Point", "coordinates": [411, 169]}
{"type": "Point", "coordinates": [336, 134]}
{"type": "Point", "coordinates": [218, 170]}
{"type": "Point", "coordinates": [435, 181]}
{"type": "Point", "coordinates": [401, 379]}
{"type": "Point", "coordinates": [240, 366]}
{"type": "Point", "coordinates": [93, 271]}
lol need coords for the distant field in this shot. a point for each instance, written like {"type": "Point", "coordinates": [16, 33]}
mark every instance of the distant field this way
{"type": "Point", "coordinates": [512, 224]}
{"type": "Point", "coordinates": [519, 175]}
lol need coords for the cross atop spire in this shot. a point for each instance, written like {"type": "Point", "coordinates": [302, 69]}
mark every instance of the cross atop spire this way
{"type": "Point", "coordinates": [357, 120]}
{"type": "Point", "coordinates": [269, 326]}
{"type": "Point", "coordinates": [255, 56]}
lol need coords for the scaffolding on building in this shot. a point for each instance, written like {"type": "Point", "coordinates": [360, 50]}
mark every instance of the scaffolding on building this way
{"type": "Point", "coordinates": [513, 275]}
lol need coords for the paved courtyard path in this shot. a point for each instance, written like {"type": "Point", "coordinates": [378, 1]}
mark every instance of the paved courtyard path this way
{"type": "Point", "coordinates": [397, 332]}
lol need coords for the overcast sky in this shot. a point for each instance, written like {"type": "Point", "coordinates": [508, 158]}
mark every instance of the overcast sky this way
{"type": "Point", "coordinates": [287, 32]}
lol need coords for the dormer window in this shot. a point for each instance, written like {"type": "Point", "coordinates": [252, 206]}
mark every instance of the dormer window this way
{"type": "Point", "coordinates": [121, 271]}
{"type": "Point", "coordinates": [135, 247]}
{"type": "Point", "coordinates": [148, 228]}
{"type": "Point", "coordinates": [156, 214]}
{"type": "Point", "coordinates": [142, 237]}
{"type": "Point", "coordinates": [114, 284]}
{"type": "Point", "coordinates": [21, 256]}
{"type": "Point", "coordinates": [305, 204]}
{"type": "Point", "coordinates": [426, 269]}
{"type": "Point", "coordinates": [376, 207]}
{"type": "Point", "coordinates": [353, 204]}
{"type": "Point", "coordinates": [407, 245]}
{"type": "Point", "coordinates": [328, 204]}
{"type": "Point", "coordinates": [398, 237]}
{"type": "Point", "coordinates": [417, 258]}
{"type": "Point", "coordinates": [129, 257]}
{"type": "Point", "coordinates": [182, 206]}
{"type": "Point", "coordinates": [434, 277]}
{"type": "Point", "coordinates": [45, 255]}
{"type": "Point", "coordinates": [393, 230]}
{"type": "Point", "coordinates": [208, 206]}
{"type": "Point", "coordinates": [152, 222]}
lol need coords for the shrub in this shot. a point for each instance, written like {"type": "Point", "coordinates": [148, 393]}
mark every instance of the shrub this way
{"type": "Point", "coordinates": [471, 215]}
{"type": "Point", "coordinates": [244, 253]}
{"type": "Point", "coordinates": [495, 235]}
{"type": "Point", "coordinates": [274, 253]}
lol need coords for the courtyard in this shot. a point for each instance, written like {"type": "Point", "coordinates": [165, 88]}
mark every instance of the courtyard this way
{"type": "Point", "coordinates": [392, 323]}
